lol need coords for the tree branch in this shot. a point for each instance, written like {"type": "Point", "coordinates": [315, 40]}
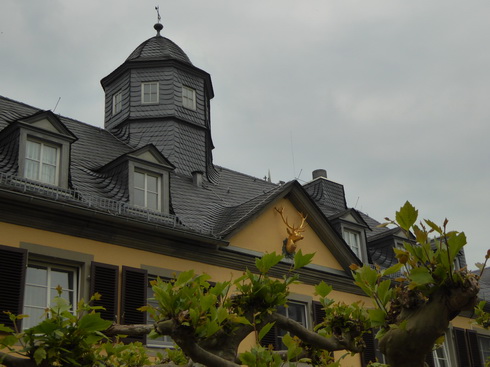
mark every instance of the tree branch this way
{"type": "Point", "coordinates": [12, 361]}
{"type": "Point", "coordinates": [333, 343]}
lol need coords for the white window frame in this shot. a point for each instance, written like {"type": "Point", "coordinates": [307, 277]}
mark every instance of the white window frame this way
{"type": "Point", "coordinates": [147, 191]}
{"type": "Point", "coordinates": [49, 287]}
{"type": "Point", "coordinates": [441, 355]}
{"type": "Point", "coordinates": [117, 103]}
{"type": "Point", "coordinates": [189, 98]}
{"type": "Point", "coordinates": [349, 234]}
{"type": "Point", "coordinates": [485, 353]}
{"type": "Point", "coordinates": [41, 161]}
{"type": "Point", "coordinates": [150, 97]}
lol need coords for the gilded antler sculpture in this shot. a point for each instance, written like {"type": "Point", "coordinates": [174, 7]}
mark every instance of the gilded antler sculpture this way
{"type": "Point", "coordinates": [294, 233]}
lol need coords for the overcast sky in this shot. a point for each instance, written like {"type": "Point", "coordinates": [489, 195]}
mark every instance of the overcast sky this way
{"type": "Point", "coordinates": [391, 97]}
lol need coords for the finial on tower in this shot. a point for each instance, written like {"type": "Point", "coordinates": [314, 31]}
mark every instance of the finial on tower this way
{"type": "Point", "coordinates": [158, 26]}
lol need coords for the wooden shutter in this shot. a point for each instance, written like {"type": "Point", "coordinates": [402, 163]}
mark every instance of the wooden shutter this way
{"type": "Point", "coordinates": [104, 280]}
{"type": "Point", "coordinates": [133, 296]}
{"type": "Point", "coordinates": [318, 312]}
{"type": "Point", "coordinates": [271, 338]}
{"type": "Point", "coordinates": [473, 348]}
{"type": "Point", "coordinates": [369, 353]}
{"type": "Point", "coordinates": [13, 262]}
{"type": "Point", "coordinates": [461, 348]}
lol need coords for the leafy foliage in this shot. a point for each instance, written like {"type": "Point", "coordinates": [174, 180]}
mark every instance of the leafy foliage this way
{"type": "Point", "coordinates": [75, 339]}
{"type": "Point", "coordinates": [426, 263]}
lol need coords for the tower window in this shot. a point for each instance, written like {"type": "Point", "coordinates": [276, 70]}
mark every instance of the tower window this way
{"type": "Point", "coordinates": [117, 103]}
{"type": "Point", "coordinates": [188, 98]}
{"type": "Point", "coordinates": [149, 93]}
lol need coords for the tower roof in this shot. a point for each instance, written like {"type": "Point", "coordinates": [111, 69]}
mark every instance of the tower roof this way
{"type": "Point", "coordinates": [158, 48]}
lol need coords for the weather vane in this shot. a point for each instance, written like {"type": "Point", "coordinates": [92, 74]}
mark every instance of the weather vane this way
{"type": "Point", "coordinates": [157, 8]}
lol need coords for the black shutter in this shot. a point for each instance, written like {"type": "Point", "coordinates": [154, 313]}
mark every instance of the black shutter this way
{"type": "Point", "coordinates": [429, 359]}
{"type": "Point", "coordinates": [461, 349]}
{"type": "Point", "coordinates": [133, 296]}
{"type": "Point", "coordinates": [104, 280]}
{"type": "Point", "coordinates": [13, 263]}
{"type": "Point", "coordinates": [318, 312]}
{"type": "Point", "coordinates": [369, 353]}
{"type": "Point", "coordinates": [271, 338]}
{"type": "Point", "coordinates": [474, 350]}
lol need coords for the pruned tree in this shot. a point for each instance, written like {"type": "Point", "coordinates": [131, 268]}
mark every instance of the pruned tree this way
{"type": "Point", "coordinates": [413, 303]}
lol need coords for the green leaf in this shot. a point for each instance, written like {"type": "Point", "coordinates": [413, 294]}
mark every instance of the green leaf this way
{"type": "Point", "coordinates": [184, 278]}
{"type": "Point", "coordinates": [267, 262]}
{"type": "Point", "coordinates": [392, 269]}
{"type": "Point", "coordinates": [39, 355]}
{"type": "Point", "coordinates": [301, 260]}
{"type": "Point", "coordinates": [6, 329]}
{"type": "Point", "coordinates": [434, 226]}
{"type": "Point", "coordinates": [93, 322]}
{"type": "Point", "coordinates": [420, 276]}
{"type": "Point", "coordinates": [265, 330]}
{"type": "Point", "coordinates": [407, 216]}
{"type": "Point", "coordinates": [384, 291]}
{"type": "Point", "coordinates": [323, 289]}
{"type": "Point", "coordinates": [455, 244]}
{"type": "Point", "coordinates": [377, 317]}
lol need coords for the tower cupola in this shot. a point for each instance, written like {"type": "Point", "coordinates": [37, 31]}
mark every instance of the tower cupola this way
{"type": "Point", "coordinates": [157, 96]}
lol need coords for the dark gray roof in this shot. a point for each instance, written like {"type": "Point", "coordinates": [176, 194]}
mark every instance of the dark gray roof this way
{"type": "Point", "coordinates": [158, 48]}
{"type": "Point", "coordinates": [329, 194]}
{"type": "Point", "coordinates": [207, 209]}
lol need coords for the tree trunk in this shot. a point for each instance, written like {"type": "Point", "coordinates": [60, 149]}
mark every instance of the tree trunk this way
{"type": "Point", "coordinates": [408, 346]}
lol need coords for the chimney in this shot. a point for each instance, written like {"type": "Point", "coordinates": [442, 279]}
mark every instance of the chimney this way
{"type": "Point", "coordinates": [319, 173]}
{"type": "Point", "coordinates": [197, 178]}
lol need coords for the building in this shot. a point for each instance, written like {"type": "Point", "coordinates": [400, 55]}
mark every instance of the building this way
{"type": "Point", "coordinates": [107, 210]}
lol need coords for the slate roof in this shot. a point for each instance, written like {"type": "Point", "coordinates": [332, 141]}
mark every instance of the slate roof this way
{"type": "Point", "coordinates": [158, 48]}
{"type": "Point", "coordinates": [205, 209]}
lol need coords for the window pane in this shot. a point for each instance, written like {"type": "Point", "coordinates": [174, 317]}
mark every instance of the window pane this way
{"type": "Point", "coordinates": [35, 316]}
{"type": "Point", "coordinates": [63, 278]}
{"type": "Point", "coordinates": [33, 150]}
{"type": "Point", "coordinates": [139, 197]}
{"type": "Point", "coordinates": [139, 180]}
{"type": "Point", "coordinates": [152, 183]}
{"type": "Point", "coordinates": [31, 170]}
{"type": "Point", "coordinates": [49, 174]}
{"type": "Point", "coordinates": [49, 155]}
{"type": "Point", "coordinates": [37, 275]}
{"type": "Point", "coordinates": [152, 201]}
{"type": "Point", "coordinates": [36, 296]}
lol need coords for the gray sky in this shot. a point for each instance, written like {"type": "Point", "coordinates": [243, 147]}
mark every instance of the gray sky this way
{"type": "Point", "coordinates": [389, 96]}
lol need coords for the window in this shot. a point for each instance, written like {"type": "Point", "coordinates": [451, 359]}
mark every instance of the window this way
{"type": "Point", "coordinates": [41, 282]}
{"type": "Point", "coordinates": [440, 355]}
{"type": "Point", "coordinates": [188, 98]}
{"type": "Point", "coordinates": [295, 311]}
{"type": "Point", "coordinates": [354, 241]}
{"type": "Point", "coordinates": [149, 93]}
{"type": "Point", "coordinates": [117, 103]}
{"type": "Point", "coordinates": [163, 341]}
{"type": "Point", "coordinates": [147, 190]}
{"type": "Point", "coordinates": [41, 162]}
{"type": "Point", "coordinates": [484, 344]}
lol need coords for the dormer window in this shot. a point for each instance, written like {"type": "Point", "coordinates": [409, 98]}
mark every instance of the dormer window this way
{"type": "Point", "coordinates": [147, 190]}
{"type": "Point", "coordinates": [353, 239]}
{"type": "Point", "coordinates": [42, 162]}
{"type": "Point", "coordinates": [117, 103]}
{"type": "Point", "coordinates": [43, 149]}
{"type": "Point", "coordinates": [149, 93]}
{"type": "Point", "coordinates": [188, 98]}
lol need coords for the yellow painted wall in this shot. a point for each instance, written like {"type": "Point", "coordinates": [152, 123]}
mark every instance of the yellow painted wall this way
{"type": "Point", "coordinates": [267, 232]}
